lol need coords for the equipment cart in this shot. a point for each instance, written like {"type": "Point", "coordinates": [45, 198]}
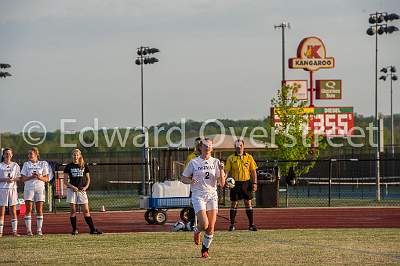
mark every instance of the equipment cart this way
{"type": "Point", "coordinates": [157, 208]}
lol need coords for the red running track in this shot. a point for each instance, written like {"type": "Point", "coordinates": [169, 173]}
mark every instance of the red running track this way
{"type": "Point", "coordinates": [290, 218]}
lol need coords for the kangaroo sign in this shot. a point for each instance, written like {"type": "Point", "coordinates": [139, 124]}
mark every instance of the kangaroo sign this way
{"type": "Point", "coordinates": [311, 56]}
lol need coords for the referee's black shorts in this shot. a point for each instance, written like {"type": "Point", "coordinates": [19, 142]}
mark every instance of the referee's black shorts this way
{"type": "Point", "coordinates": [243, 190]}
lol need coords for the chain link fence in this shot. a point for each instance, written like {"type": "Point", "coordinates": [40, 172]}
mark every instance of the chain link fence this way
{"type": "Point", "coordinates": [344, 182]}
{"type": "Point", "coordinates": [117, 180]}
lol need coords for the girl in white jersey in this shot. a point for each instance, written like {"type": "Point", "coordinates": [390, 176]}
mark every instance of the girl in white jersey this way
{"type": "Point", "coordinates": [9, 174]}
{"type": "Point", "coordinates": [34, 174]}
{"type": "Point", "coordinates": [204, 173]}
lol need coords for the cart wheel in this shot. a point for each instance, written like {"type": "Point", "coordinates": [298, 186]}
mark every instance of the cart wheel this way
{"type": "Point", "coordinates": [160, 217]}
{"type": "Point", "coordinates": [149, 216]}
{"type": "Point", "coordinates": [187, 214]}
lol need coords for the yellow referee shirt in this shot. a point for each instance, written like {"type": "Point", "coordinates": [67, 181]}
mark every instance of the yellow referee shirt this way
{"type": "Point", "coordinates": [191, 156]}
{"type": "Point", "coordinates": [240, 166]}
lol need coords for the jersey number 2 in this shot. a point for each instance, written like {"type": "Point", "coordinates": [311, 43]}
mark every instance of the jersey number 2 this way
{"type": "Point", "coordinates": [207, 175]}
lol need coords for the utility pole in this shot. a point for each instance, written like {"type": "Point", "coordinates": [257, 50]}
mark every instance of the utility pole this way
{"type": "Point", "coordinates": [283, 26]}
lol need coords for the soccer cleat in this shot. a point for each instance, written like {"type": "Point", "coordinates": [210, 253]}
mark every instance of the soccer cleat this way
{"type": "Point", "coordinates": [96, 232]}
{"type": "Point", "coordinates": [16, 234]}
{"type": "Point", "coordinates": [197, 237]}
{"type": "Point", "coordinates": [29, 233]}
{"type": "Point", "coordinates": [204, 254]}
{"type": "Point", "coordinates": [39, 233]}
{"type": "Point", "coordinates": [253, 228]}
{"type": "Point", "coordinates": [74, 233]}
{"type": "Point", "coordinates": [232, 227]}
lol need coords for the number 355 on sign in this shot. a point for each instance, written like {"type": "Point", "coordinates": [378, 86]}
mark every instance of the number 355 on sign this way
{"type": "Point", "coordinates": [333, 121]}
{"type": "Point", "coordinates": [327, 121]}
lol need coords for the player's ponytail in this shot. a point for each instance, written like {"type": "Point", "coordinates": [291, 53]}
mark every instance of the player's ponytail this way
{"type": "Point", "coordinates": [81, 161]}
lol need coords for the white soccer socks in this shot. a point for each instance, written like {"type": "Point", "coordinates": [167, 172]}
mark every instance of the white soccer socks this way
{"type": "Point", "coordinates": [14, 225]}
{"type": "Point", "coordinates": [1, 227]}
{"type": "Point", "coordinates": [28, 224]}
{"type": "Point", "coordinates": [207, 240]}
{"type": "Point", "coordinates": [39, 223]}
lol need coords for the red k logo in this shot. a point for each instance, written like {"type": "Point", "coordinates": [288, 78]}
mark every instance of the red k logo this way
{"type": "Point", "coordinates": [312, 51]}
{"type": "Point", "coordinates": [311, 55]}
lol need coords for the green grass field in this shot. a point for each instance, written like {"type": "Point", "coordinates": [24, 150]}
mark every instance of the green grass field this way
{"type": "Point", "coordinates": [282, 247]}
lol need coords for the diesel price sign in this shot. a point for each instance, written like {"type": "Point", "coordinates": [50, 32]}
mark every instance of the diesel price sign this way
{"type": "Point", "coordinates": [325, 121]}
{"type": "Point", "coordinates": [333, 121]}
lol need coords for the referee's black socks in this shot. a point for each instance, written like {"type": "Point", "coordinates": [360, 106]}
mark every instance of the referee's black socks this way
{"type": "Point", "coordinates": [232, 214]}
{"type": "Point", "coordinates": [249, 212]}
{"type": "Point", "coordinates": [73, 222]}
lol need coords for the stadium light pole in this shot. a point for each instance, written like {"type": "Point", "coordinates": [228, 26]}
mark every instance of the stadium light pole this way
{"type": "Point", "coordinates": [3, 75]}
{"type": "Point", "coordinates": [378, 27]}
{"type": "Point", "coordinates": [144, 59]}
{"type": "Point", "coordinates": [390, 72]}
{"type": "Point", "coordinates": [283, 26]}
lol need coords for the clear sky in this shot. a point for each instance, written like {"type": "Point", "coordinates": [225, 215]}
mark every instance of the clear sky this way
{"type": "Point", "coordinates": [219, 58]}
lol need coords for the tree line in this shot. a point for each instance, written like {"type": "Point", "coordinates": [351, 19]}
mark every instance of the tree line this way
{"type": "Point", "coordinates": [52, 142]}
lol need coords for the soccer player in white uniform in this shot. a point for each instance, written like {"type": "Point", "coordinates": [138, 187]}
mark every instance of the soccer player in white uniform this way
{"type": "Point", "coordinates": [9, 174]}
{"type": "Point", "coordinates": [34, 174]}
{"type": "Point", "coordinates": [204, 173]}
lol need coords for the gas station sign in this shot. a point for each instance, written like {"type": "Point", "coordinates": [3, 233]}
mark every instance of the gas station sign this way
{"type": "Point", "coordinates": [301, 88]}
{"type": "Point", "coordinates": [329, 89]}
{"type": "Point", "coordinates": [311, 55]}
{"type": "Point", "coordinates": [325, 121]}
{"type": "Point", "coordinates": [333, 121]}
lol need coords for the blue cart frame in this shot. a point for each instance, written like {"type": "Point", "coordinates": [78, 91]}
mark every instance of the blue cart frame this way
{"type": "Point", "coordinates": [157, 211]}
{"type": "Point", "coordinates": [169, 203]}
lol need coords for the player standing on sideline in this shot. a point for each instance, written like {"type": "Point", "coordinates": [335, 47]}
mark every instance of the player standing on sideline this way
{"type": "Point", "coordinates": [9, 174]}
{"type": "Point", "coordinates": [77, 179]}
{"type": "Point", "coordinates": [196, 152]}
{"type": "Point", "coordinates": [243, 169]}
{"type": "Point", "coordinates": [34, 174]}
{"type": "Point", "coordinates": [203, 173]}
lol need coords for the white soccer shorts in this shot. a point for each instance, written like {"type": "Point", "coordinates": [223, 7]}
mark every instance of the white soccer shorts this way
{"type": "Point", "coordinates": [205, 202]}
{"type": "Point", "coordinates": [8, 197]}
{"type": "Point", "coordinates": [79, 197]}
{"type": "Point", "coordinates": [35, 194]}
